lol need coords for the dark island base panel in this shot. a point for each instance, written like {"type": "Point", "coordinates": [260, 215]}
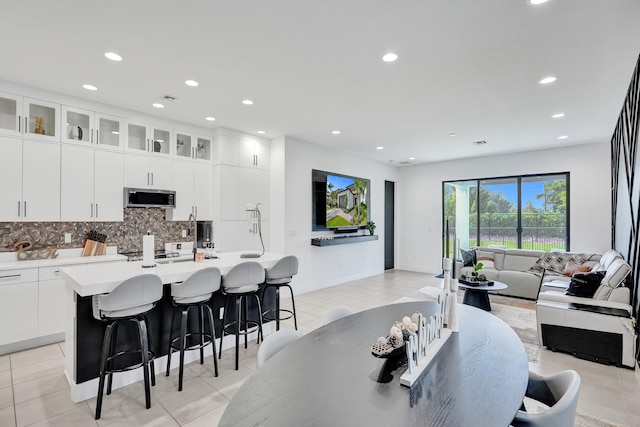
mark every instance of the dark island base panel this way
{"type": "Point", "coordinates": [90, 331]}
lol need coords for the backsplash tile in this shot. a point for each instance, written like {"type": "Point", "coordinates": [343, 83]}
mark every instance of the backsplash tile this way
{"type": "Point", "coordinates": [127, 235]}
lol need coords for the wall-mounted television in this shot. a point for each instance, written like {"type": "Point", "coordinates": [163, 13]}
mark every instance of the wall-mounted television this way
{"type": "Point", "coordinates": [340, 202]}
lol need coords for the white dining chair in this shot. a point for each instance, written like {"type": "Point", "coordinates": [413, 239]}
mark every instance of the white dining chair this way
{"type": "Point", "coordinates": [274, 343]}
{"type": "Point", "coordinates": [335, 314]}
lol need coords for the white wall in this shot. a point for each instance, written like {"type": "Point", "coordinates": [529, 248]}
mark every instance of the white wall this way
{"type": "Point", "coordinates": [321, 267]}
{"type": "Point", "coordinates": [419, 198]}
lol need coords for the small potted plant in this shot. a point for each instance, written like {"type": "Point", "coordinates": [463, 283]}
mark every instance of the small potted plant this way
{"type": "Point", "coordinates": [476, 270]}
{"type": "Point", "coordinates": [371, 226]}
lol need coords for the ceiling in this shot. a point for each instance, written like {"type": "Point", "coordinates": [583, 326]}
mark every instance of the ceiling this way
{"type": "Point", "coordinates": [467, 67]}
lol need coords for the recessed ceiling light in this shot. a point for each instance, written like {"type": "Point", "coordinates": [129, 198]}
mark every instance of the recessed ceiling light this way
{"type": "Point", "coordinates": [247, 102]}
{"type": "Point", "coordinates": [191, 83]}
{"type": "Point", "coordinates": [159, 140]}
{"type": "Point", "coordinates": [452, 134]}
{"type": "Point", "coordinates": [113, 56]}
{"type": "Point", "coordinates": [557, 116]}
{"type": "Point", "coordinates": [379, 148]}
{"type": "Point", "coordinates": [261, 132]}
{"type": "Point", "coordinates": [158, 105]}
{"type": "Point", "coordinates": [412, 158]}
{"type": "Point", "coordinates": [389, 57]}
{"type": "Point", "coordinates": [563, 137]}
{"type": "Point", "coordinates": [537, 2]}
{"type": "Point", "coordinates": [89, 87]}
{"type": "Point", "coordinates": [335, 132]}
{"type": "Point", "coordinates": [209, 118]}
{"type": "Point", "coordinates": [115, 132]}
{"type": "Point", "coordinates": [547, 80]}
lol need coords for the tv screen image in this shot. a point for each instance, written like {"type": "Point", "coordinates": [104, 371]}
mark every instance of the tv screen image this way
{"type": "Point", "coordinates": [346, 201]}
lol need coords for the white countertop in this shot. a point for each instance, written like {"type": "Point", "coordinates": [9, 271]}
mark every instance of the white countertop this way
{"type": "Point", "coordinates": [9, 260]}
{"type": "Point", "coordinates": [88, 280]}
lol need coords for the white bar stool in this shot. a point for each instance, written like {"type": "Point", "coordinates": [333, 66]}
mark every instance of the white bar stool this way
{"type": "Point", "coordinates": [195, 292]}
{"type": "Point", "coordinates": [280, 275]}
{"type": "Point", "coordinates": [128, 302]}
{"type": "Point", "coordinates": [240, 282]}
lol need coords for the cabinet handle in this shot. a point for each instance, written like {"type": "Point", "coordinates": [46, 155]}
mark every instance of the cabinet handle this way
{"type": "Point", "coordinates": [19, 124]}
{"type": "Point", "coordinates": [10, 276]}
{"type": "Point", "coordinates": [18, 208]}
{"type": "Point", "coordinates": [96, 210]}
{"type": "Point", "coordinates": [152, 179]}
{"type": "Point", "coordinates": [148, 181]}
{"type": "Point", "coordinates": [196, 210]}
{"type": "Point", "coordinates": [91, 210]}
{"type": "Point", "coordinates": [26, 129]}
{"type": "Point", "coordinates": [97, 137]}
{"type": "Point", "coordinates": [25, 209]}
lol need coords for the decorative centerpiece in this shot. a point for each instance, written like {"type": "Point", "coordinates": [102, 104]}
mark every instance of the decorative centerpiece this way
{"type": "Point", "coordinates": [393, 344]}
{"type": "Point", "coordinates": [476, 278]}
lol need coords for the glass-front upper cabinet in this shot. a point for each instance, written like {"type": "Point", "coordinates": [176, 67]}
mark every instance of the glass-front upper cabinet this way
{"type": "Point", "coordinates": [10, 114]}
{"type": "Point", "coordinates": [109, 132]}
{"type": "Point", "coordinates": [193, 146]}
{"type": "Point", "coordinates": [41, 119]}
{"type": "Point", "coordinates": [184, 144]}
{"type": "Point", "coordinates": [78, 126]}
{"type": "Point", "coordinates": [150, 139]}
{"type": "Point", "coordinates": [203, 148]}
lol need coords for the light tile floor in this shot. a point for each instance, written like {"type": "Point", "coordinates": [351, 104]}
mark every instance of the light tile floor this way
{"type": "Point", "coordinates": [34, 390]}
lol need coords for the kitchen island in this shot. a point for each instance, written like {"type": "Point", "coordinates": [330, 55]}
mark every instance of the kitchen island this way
{"type": "Point", "coordinates": [84, 333]}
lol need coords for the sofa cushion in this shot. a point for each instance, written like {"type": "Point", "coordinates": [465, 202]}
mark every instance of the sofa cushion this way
{"type": "Point", "coordinates": [616, 273]}
{"type": "Point", "coordinates": [556, 261]}
{"type": "Point", "coordinates": [520, 259]}
{"type": "Point", "coordinates": [573, 267]}
{"type": "Point", "coordinates": [607, 258]}
{"type": "Point", "coordinates": [585, 285]}
{"type": "Point", "coordinates": [468, 257]}
{"type": "Point", "coordinates": [486, 258]}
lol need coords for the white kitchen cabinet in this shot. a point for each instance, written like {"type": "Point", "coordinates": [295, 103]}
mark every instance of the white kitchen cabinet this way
{"type": "Point", "coordinates": [48, 112]}
{"type": "Point", "coordinates": [193, 184]}
{"type": "Point", "coordinates": [145, 138]}
{"type": "Point", "coordinates": [18, 117]}
{"type": "Point", "coordinates": [191, 146]}
{"type": "Point", "coordinates": [240, 189]}
{"type": "Point", "coordinates": [51, 301]}
{"type": "Point", "coordinates": [231, 236]}
{"type": "Point", "coordinates": [84, 127]}
{"type": "Point", "coordinates": [40, 181]}
{"type": "Point", "coordinates": [18, 305]}
{"type": "Point", "coordinates": [10, 114]}
{"type": "Point", "coordinates": [148, 171]}
{"type": "Point", "coordinates": [91, 184]}
{"type": "Point", "coordinates": [11, 177]}
{"type": "Point", "coordinates": [236, 149]}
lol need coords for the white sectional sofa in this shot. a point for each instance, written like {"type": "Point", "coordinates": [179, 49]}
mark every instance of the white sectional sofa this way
{"type": "Point", "coordinates": [512, 266]}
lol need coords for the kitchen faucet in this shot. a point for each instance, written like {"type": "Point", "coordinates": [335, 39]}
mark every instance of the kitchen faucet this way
{"type": "Point", "coordinates": [195, 234]}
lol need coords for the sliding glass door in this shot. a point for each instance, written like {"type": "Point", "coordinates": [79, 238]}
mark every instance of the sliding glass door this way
{"type": "Point", "coordinates": [529, 211]}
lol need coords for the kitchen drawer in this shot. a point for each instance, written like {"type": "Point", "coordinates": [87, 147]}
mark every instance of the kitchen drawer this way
{"type": "Point", "coordinates": [51, 273]}
{"type": "Point", "coordinates": [19, 275]}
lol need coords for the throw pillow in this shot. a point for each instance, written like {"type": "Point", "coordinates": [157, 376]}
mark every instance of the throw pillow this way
{"type": "Point", "coordinates": [573, 267]}
{"type": "Point", "coordinates": [553, 261]}
{"type": "Point", "coordinates": [585, 285]}
{"type": "Point", "coordinates": [486, 258]}
{"type": "Point", "coordinates": [468, 257]}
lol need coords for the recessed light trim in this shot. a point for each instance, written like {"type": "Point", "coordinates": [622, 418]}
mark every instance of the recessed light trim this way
{"type": "Point", "coordinates": [89, 87]}
{"type": "Point", "coordinates": [563, 137]}
{"type": "Point", "coordinates": [390, 57]}
{"type": "Point", "coordinates": [379, 147]}
{"type": "Point", "coordinates": [210, 119]}
{"type": "Point", "coordinates": [336, 132]}
{"type": "Point", "coordinates": [261, 132]}
{"type": "Point", "coordinates": [247, 102]}
{"type": "Point", "coordinates": [452, 134]}
{"type": "Point", "coordinates": [537, 2]}
{"type": "Point", "coordinates": [557, 115]}
{"type": "Point", "coordinates": [115, 132]}
{"type": "Point", "coordinates": [547, 80]}
{"type": "Point", "coordinates": [191, 83]}
{"type": "Point", "coordinates": [113, 56]}
{"type": "Point", "coordinates": [412, 158]}
{"type": "Point", "coordinates": [158, 105]}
